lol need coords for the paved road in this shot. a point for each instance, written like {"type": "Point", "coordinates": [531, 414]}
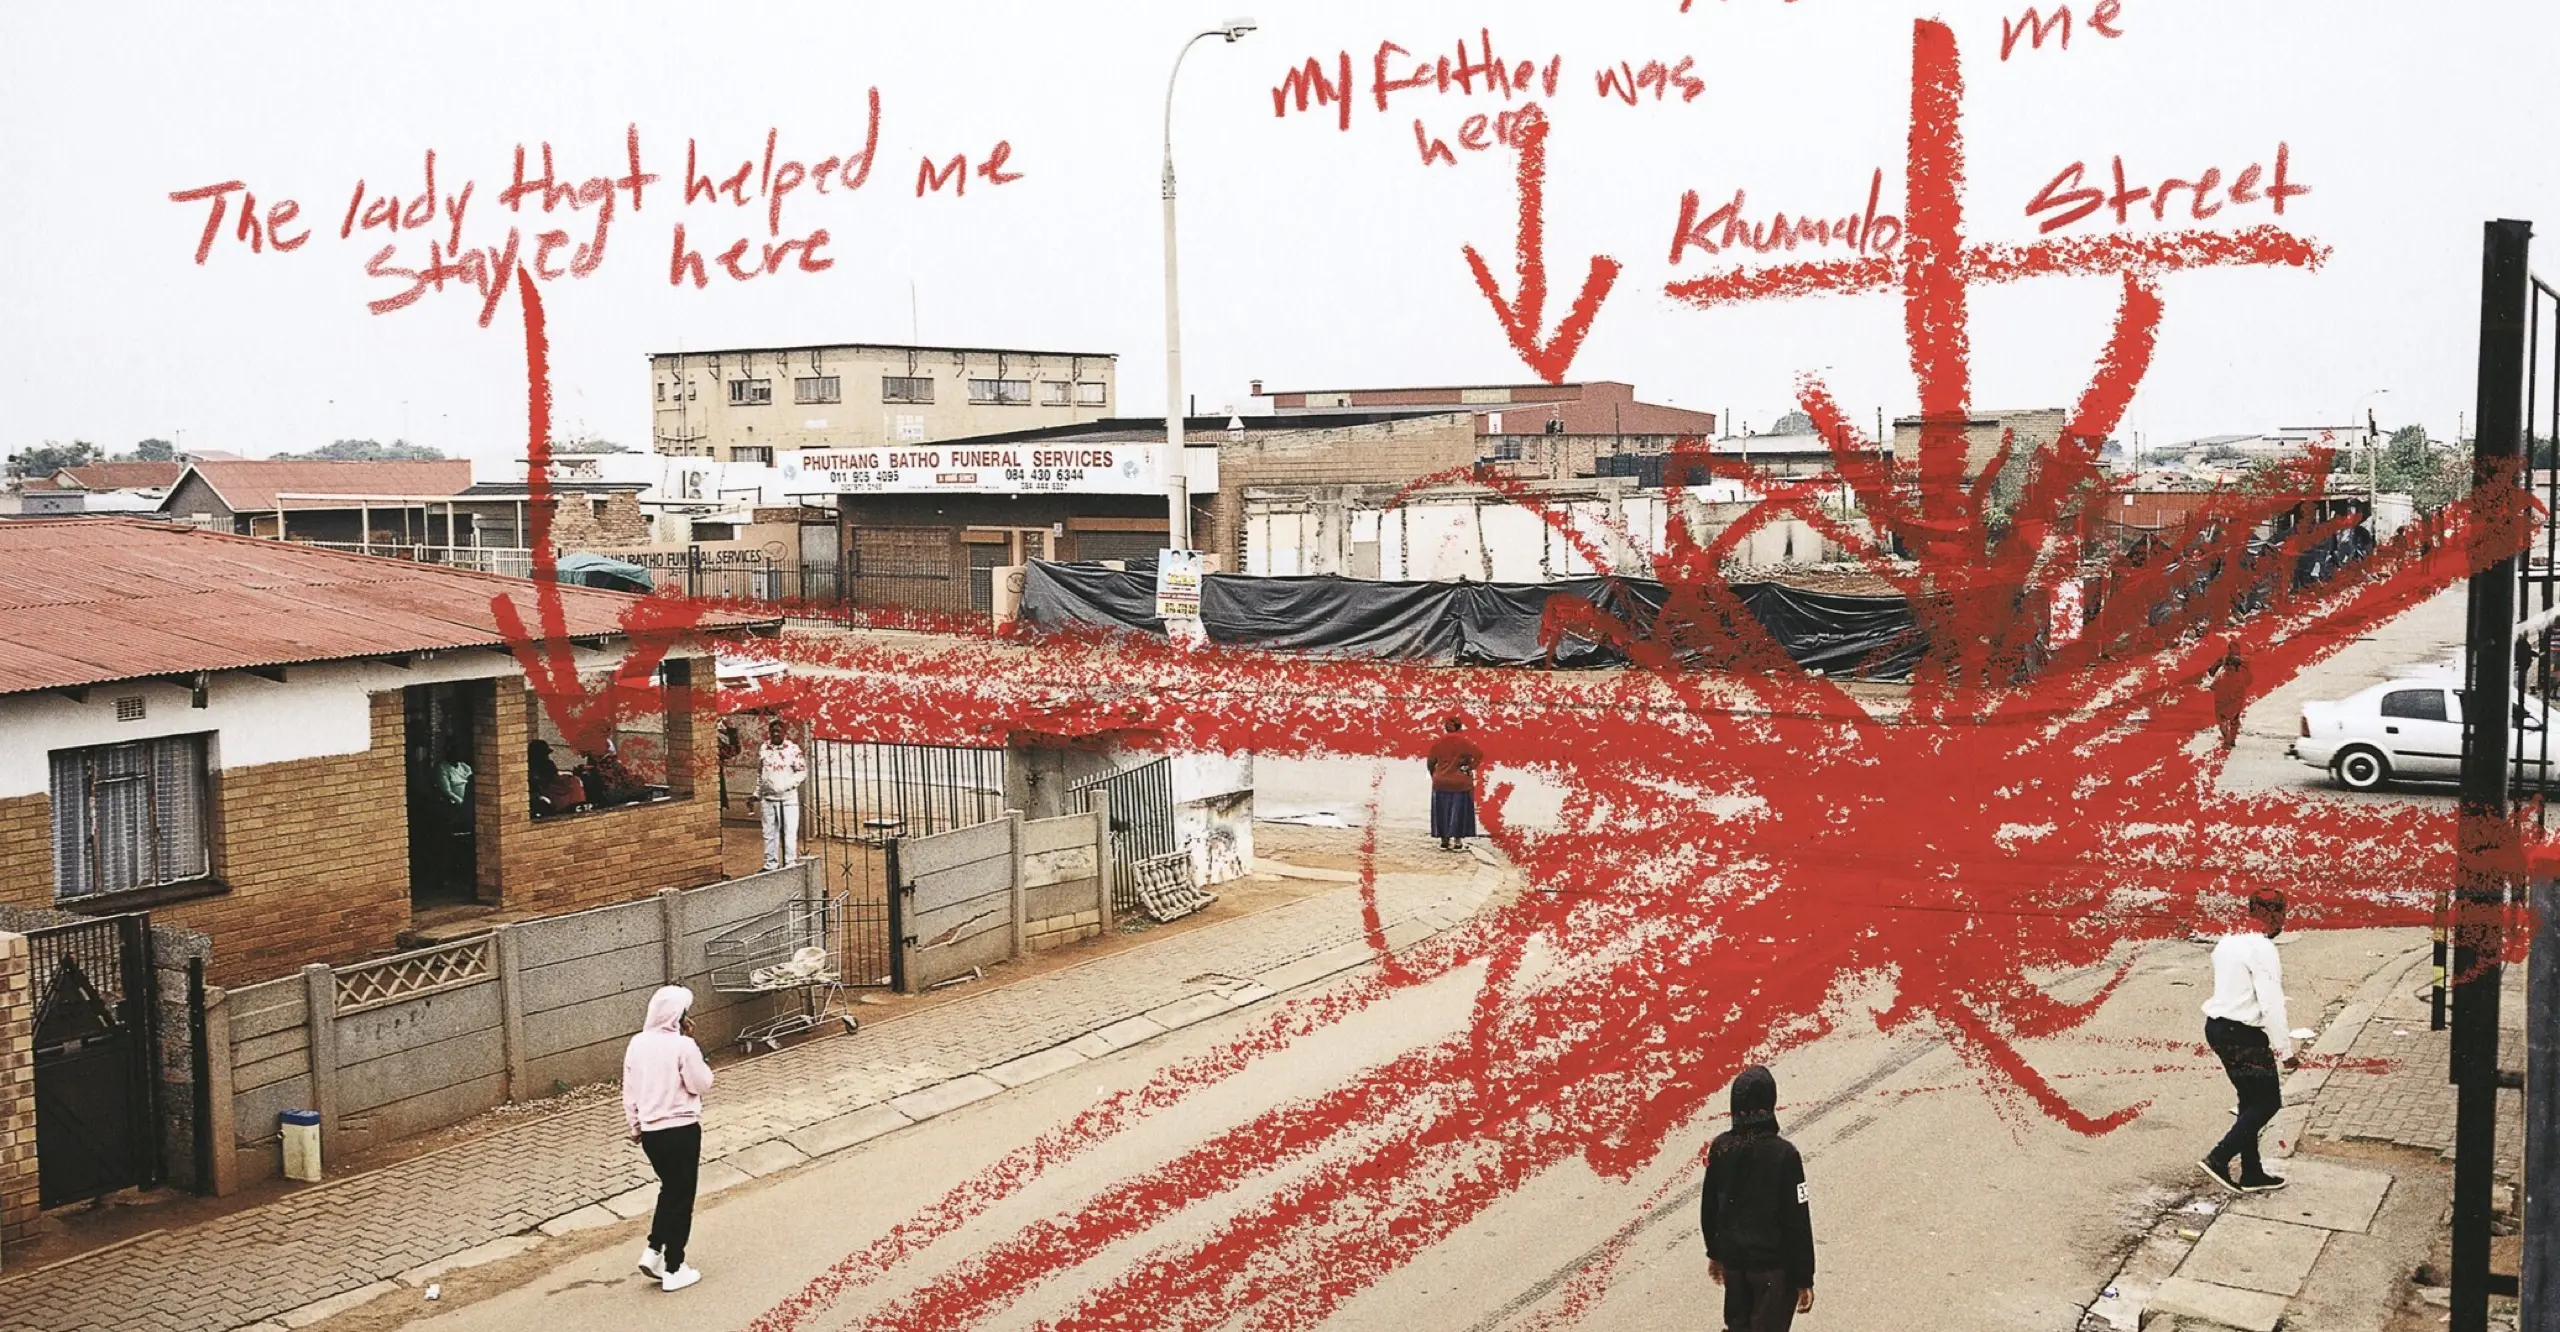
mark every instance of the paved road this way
{"type": "Point", "coordinates": [1932, 1194]}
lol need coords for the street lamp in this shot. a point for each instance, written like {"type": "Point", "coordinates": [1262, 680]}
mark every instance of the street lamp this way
{"type": "Point", "coordinates": [1176, 482]}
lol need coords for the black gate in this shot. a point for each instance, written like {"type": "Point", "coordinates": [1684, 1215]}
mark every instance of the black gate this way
{"type": "Point", "coordinates": [96, 1058]}
{"type": "Point", "coordinates": [1141, 822]}
{"type": "Point", "coordinates": [861, 798]}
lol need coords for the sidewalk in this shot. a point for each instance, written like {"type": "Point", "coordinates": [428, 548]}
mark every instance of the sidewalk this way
{"type": "Point", "coordinates": [339, 1244]}
{"type": "Point", "coordinates": [2368, 1203]}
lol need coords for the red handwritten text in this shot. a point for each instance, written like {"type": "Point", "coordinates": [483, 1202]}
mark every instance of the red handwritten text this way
{"type": "Point", "coordinates": [2064, 192]}
{"type": "Point", "coordinates": [1870, 232]}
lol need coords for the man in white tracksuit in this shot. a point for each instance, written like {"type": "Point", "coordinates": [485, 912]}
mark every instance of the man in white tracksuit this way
{"type": "Point", "coordinates": [779, 771]}
{"type": "Point", "coordinates": [2245, 1025]}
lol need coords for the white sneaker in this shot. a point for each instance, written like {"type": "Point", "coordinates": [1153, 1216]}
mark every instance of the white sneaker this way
{"type": "Point", "coordinates": [680, 1278]}
{"type": "Point", "coordinates": [652, 1264]}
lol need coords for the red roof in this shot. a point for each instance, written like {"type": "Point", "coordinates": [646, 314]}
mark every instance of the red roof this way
{"type": "Point", "coordinates": [251, 486]}
{"type": "Point", "coordinates": [123, 475]}
{"type": "Point", "coordinates": [93, 600]}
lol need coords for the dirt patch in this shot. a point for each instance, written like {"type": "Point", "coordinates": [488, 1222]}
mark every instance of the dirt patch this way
{"type": "Point", "coordinates": [1399, 851]}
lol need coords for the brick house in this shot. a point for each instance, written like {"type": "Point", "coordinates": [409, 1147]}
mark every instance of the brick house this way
{"type": "Point", "coordinates": [284, 497]}
{"type": "Point", "coordinates": [296, 751]}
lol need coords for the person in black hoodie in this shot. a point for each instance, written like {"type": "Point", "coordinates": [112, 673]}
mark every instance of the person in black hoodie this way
{"type": "Point", "coordinates": [1754, 1212]}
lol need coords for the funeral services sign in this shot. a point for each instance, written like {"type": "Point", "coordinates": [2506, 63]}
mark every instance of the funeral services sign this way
{"type": "Point", "coordinates": [968, 469]}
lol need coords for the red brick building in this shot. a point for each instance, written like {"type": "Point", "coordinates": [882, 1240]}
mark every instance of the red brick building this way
{"type": "Point", "coordinates": [297, 750]}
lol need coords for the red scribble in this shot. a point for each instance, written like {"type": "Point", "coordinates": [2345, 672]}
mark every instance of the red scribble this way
{"type": "Point", "coordinates": [585, 718]}
{"type": "Point", "coordinates": [1742, 841]}
{"type": "Point", "coordinates": [1521, 319]}
{"type": "Point", "coordinates": [1864, 233]}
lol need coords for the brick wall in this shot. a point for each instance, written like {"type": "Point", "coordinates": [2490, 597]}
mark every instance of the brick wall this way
{"type": "Point", "coordinates": [316, 854]}
{"type": "Point", "coordinates": [18, 1182]}
{"type": "Point", "coordinates": [577, 525]}
{"type": "Point", "coordinates": [1390, 451]}
{"type": "Point", "coordinates": [612, 855]}
{"type": "Point", "coordinates": [26, 850]}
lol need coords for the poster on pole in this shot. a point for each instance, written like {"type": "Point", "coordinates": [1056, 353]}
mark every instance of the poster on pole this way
{"type": "Point", "coordinates": [1178, 585]}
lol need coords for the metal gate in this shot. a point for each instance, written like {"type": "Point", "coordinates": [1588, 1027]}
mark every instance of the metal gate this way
{"type": "Point", "coordinates": [863, 796]}
{"type": "Point", "coordinates": [1141, 822]}
{"type": "Point", "coordinates": [96, 1058]}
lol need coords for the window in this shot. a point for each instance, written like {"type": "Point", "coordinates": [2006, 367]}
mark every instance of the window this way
{"type": "Point", "coordinates": [662, 392]}
{"type": "Point", "coordinates": [906, 388]}
{"type": "Point", "coordinates": [1053, 393]}
{"type": "Point", "coordinates": [752, 453]}
{"type": "Point", "coordinates": [817, 388]}
{"type": "Point", "coordinates": [1090, 395]}
{"type": "Point", "coordinates": [129, 816]}
{"type": "Point", "coordinates": [1011, 391]}
{"type": "Point", "coordinates": [2414, 704]}
{"type": "Point", "coordinates": [750, 392]}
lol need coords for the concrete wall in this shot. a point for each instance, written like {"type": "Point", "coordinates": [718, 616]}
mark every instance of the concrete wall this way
{"type": "Point", "coordinates": [976, 896]}
{"type": "Point", "coordinates": [1481, 535]}
{"type": "Point", "coordinates": [1390, 453]}
{"type": "Point", "coordinates": [691, 413]}
{"type": "Point", "coordinates": [413, 1042]}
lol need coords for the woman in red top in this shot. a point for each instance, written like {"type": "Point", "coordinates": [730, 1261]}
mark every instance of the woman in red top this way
{"type": "Point", "coordinates": [1453, 762]}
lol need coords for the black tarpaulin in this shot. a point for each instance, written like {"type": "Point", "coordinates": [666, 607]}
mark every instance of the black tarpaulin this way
{"type": "Point", "coordinates": [1835, 633]}
{"type": "Point", "coordinates": [1334, 616]}
{"type": "Point", "coordinates": [1495, 624]}
{"type": "Point", "coordinates": [1061, 596]}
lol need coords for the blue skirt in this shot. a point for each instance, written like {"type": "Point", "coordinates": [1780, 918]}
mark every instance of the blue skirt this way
{"type": "Point", "coordinates": [1453, 814]}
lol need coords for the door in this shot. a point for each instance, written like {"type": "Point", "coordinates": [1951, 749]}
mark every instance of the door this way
{"type": "Point", "coordinates": [2422, 735]}
{"type": "Point", "coordinates": [97, 1122]}
{"type": "Point", "coordinates": [443, 793]}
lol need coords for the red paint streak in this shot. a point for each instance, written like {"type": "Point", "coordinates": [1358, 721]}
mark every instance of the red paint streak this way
{"type": "Point", "coordinates": [585, 718]}
{"type": "Point", "coordinates": [1741, 840]}
{"type": "Point", "coordinates": [1522, 318]}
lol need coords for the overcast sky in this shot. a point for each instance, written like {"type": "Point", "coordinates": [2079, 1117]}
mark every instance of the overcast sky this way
{"type": "Point", "coordinates": [1313, 257]}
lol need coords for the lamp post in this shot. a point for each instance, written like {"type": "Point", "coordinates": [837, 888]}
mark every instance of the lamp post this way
{"type": "Point", "coordinates": [1177, 483]}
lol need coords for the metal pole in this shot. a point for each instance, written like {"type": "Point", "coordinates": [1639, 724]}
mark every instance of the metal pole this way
{"type": "Point", "coordinates": [2480, 881]}
{"type": "Point", "coordinates": [1177, 484]}
{"type": "Point", "coordinates": [2538, 1279]}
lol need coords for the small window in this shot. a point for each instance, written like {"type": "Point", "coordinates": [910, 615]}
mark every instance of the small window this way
{"type": "Point", "coordinates": [751, 453]}
{"type": "Point", "coordinates": [1015, 392]}
{"type": "Point", "coordinates": [129, 816]}
{"type": "Point", "coordinates": [750, 392]}
{"type": "Point", "coordinates": [906, 388]}
{"type": "Point", "coordinates": [817, 388]}
{"type": "Point", "coordinates": [2414, 704]}
{"type": "Point", "coordinates": [691, 390]}
{"type": "Point", "coordinates": [662, 391]}
{"type": "Point", "coordinates": [1090, 395]}
{"type": "Point", "coordinates": [1053, 393]}
{"type": "Point", "coordinates": [129, 709]}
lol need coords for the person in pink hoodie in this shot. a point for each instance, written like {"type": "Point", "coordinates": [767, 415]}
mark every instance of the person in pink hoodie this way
{"type": "Point", "coordinates": [663, 1079]}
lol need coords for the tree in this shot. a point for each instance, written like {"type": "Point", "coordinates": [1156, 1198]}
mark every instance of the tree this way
{"type": "Point", "coordinates": [366, 450]}
{"type": "Point", "coordinates": [589, 444]}
{"type": "Point", "coordinates": [45, 459]}
{"type": "Point", "coordinates": [150, 450]}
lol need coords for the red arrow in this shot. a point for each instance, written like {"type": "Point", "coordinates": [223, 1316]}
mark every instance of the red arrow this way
{"type": "Point", "coordinates": [1521, 318]}
{"type": "Point", "coordinates": [584, 717]}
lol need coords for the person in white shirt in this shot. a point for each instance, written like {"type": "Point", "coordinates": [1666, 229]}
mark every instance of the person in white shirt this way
{"type": "Point", "coordinates": [2245, 1025]}
{"type": "Point", "coordinates": [779, 772]}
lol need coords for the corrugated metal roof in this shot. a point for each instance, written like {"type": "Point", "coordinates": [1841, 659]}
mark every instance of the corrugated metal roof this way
{"type": "Point", "coordinates": [93, 600]}
{"type": "Point", "coordinates": [251, 485]}
{"type": "Point", "coordinates": [126, 475]}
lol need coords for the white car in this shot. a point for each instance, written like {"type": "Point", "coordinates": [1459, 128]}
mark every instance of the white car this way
{"type": "Point", "coordinates": [2411, 730]}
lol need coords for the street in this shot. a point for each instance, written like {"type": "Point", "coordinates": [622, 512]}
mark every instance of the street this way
{"type": "Point", "coordinates": [1931, 1191]}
